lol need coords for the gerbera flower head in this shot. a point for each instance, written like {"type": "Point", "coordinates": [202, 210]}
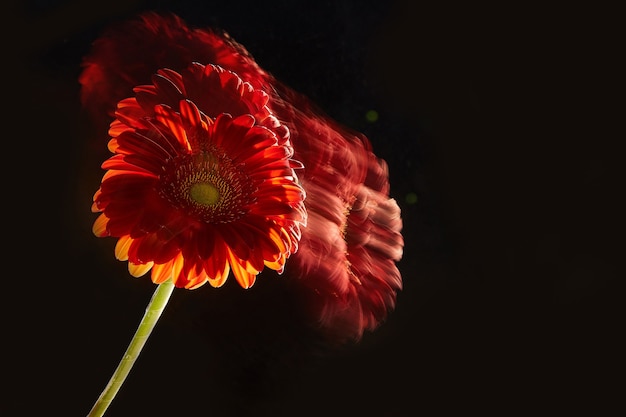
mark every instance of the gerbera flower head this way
{"type": "Point", "coordinates": [192, 196]}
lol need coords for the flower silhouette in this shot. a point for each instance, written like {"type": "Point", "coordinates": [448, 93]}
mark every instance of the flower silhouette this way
{"type": "Point", "coordinates": [347, 251]}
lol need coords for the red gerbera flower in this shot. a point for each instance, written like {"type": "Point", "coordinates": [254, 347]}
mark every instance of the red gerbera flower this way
{"type": "Point", "coordinates": [348, 250]}
{"type": "Point", "coordinates": [193, 196]}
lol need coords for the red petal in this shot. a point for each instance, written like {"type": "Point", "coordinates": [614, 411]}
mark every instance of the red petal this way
{"type": "Point", "coordinates": [243, 277]}
{"type": "Point", "coordinates": [161, 272]}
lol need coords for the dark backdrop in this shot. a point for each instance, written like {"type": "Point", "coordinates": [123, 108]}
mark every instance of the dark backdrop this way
{"type": "Point", "coordinates": [499, 127]}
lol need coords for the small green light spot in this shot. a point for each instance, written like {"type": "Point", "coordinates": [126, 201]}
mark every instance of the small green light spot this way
{"type": "Point", "coordinates": [371, 116]}
{"type": "Point", "coordinates": [204, 193]}
{"type": "Point", "coordinates": [411, 198]}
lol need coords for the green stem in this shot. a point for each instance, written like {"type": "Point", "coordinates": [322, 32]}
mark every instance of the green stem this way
{"type": "Point", "coordinates": [153, 311]}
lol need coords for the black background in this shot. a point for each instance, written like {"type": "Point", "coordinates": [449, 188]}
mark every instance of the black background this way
{"type": "Point", "coordinates": [501, 120]}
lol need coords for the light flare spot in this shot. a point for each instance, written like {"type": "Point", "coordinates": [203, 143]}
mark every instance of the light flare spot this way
{"type": "Point", "coordinates": [411, 198]}
{"type": "Point", "coordinates": [371, 116]}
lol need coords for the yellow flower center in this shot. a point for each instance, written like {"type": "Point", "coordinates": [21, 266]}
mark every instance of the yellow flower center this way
{"type": "Point", "coordinates": [204, 193]}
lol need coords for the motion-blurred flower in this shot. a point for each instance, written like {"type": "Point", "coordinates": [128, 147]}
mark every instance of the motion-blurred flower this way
{"type": "Point", "coordinates": [348, 250]}
{"type": "Point", "coordinates": [212, 160]}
